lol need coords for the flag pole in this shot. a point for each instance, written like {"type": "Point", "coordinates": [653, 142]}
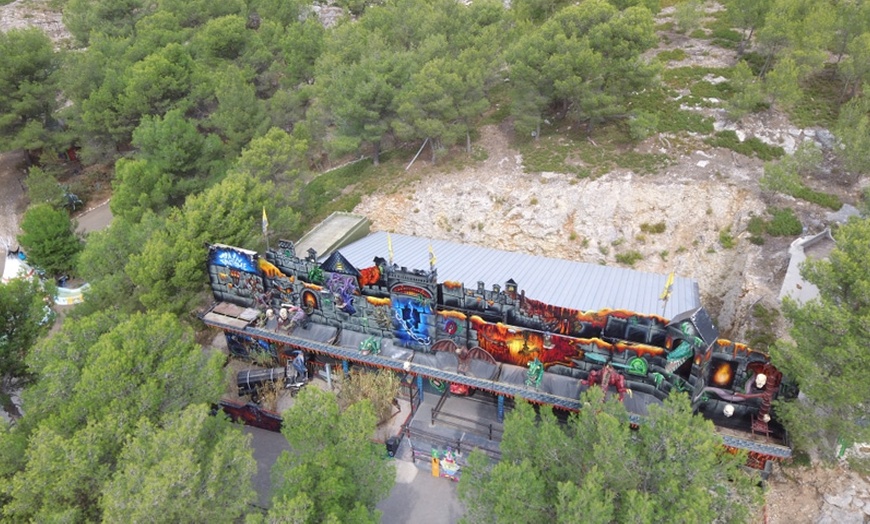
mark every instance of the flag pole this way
{"type": "Point", "coordinates": [266, 228]}
{"type": "Point", "coordinates": [666, 293]}
{"type": "Point", "coordinates": [431, 258]}
{"type": "Point", "coordinates": [390, 247]}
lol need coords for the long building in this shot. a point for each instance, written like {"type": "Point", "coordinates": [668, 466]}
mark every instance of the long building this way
{"type": "Point", "coordinates": [516, 325]}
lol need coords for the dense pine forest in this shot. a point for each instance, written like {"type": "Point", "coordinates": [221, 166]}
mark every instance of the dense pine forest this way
{"type": "Point", "coordinates": [197, 115]}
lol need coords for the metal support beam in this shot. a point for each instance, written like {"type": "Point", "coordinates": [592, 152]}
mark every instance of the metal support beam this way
{"type": "Point", "coordinates": [500, 411]}
{"type": "Point", "coordinates": [497, 388]}
{"type": "Point", "coordinates": [420, 387]}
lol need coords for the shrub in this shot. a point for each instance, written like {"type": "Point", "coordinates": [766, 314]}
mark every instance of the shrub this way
{"type": "Point", "coordinates": [642, 125]}
{"type": "Point", "coordinates": [380, 387]}
{"type": "Point", "coordinates": [688, 15]}
{"type": "Point", "coordinates": [654, 229]}
{"type": "Point", "coordinates": [756, 225]}
{"type": "Point", "coordinates": [726, 238]}
{"type": "Point", "coordinates": [763, 335]}
{"type": "Point", "coordinates": [752, 146]}
{"type": "Point", "coordinates": [817, 197]}
{"type": "Point", "coordinates": [674, 55]}
{"type": "Point", "coordinates": [784, 223]}
{"type": "Point", "coordinates": [629, 258]}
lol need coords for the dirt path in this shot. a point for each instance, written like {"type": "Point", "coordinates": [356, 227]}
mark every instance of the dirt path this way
{"type": "Point", "coordinates": [12, 200]}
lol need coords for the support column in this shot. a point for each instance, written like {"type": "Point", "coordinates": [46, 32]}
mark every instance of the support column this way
{"type": "Point", "coordinates": [345, 365]}
{"type": "Point", "coordinates": [329, 376]}
{"type": "Point", "coordinates": [420, 387]}
{"type": "Point", "coordinates": [500, 412]}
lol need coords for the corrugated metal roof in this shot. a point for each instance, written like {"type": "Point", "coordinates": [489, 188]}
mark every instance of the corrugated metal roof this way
{"type": "Point", "coordinates": [576, 285]}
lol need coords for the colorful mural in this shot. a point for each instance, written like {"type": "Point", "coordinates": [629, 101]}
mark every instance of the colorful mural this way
{"type": "Point", "coordinates": [645, 354]}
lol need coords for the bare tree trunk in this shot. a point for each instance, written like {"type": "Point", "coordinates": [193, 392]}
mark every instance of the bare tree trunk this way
{"type": "Point", "coordinates": [376, 153]}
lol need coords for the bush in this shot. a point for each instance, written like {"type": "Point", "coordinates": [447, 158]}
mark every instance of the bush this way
{"type": "Point", "coordinates": [672, 55]}
{"type": "Point", "coordinates": [752, 146]}
{"type": "Point", "coordinates": [629, 258]}
{"type": "Point", "coordinates": [784, 223]}
{"type": "Point", "coordinates": [817, 197]}
{"type": "Point", "coordinates": [380, 387]}
{"type": "Point", "coordinates": [642, 125]}
{"type": "Point", "coordinates": [756, 226]}
{"type": "Point", "coordinates": [763, 334]}
{"type": "Point", "coordinates": [654, 229]}
{"type": "Point", "coordinates": [688, 15]}
{"type": "Point", "coordinates": [726, 238]}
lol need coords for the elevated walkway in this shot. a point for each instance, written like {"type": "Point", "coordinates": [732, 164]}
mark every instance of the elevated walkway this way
{"type": "Point", "coordinates": [401, 360]}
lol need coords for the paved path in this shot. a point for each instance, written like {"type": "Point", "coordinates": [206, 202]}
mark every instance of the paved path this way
{"type": "Point", "coordinates": [420, 497]}
{"type": "Point", "coordinates": [267, 446]}
{"type": "Point", "coordinates": [96, 218]}
{"type": "Point", "coordinates": [416, 497]}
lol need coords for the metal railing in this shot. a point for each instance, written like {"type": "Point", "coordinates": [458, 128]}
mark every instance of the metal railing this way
{"type": "Point", "coordinates": [473, 425]}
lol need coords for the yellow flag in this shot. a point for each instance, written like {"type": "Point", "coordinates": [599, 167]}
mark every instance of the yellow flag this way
{"type": "Point", "coordinates": [265, 222]}
{"type": "Point", "coordinates": [666, 293]}
{"type": "Point", "coordinates": [431, 256]}
{"type": "Point", "coordinates": [390, 247]}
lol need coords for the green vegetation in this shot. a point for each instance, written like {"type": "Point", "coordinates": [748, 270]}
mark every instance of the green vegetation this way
{"type": "Point", "coordinates": [629, 258]}
{"type": "Point", "coordinates": [49, 239]}
{"type": "Point", "coordinates": [756, 227]}
{"type": "Point", "coordinates": [104, 383]}
{"type": "Point", "coordinates": [575, 154]}
{"type": "Point", "coordinates": [23, 319]}
{"type": "Point", "coordinates": [43, 188]}
{"type": "Point", "coordinates": [787, 176]}
{"type": "Point", "coordinates": [688, 15]}
{"type": "Point", "coordinates": [834, 325]}
{"type": "Point", "coordinates": [30, 82]}
{"type": "Point", "coordinates": [671, 55]}
{"type": "Point", "coordinates": [653, 229]}
{"type": "Point", "coordinates": [762, 335]}
{"type": "Point", "coordinates": [726, 239]}
{"type": "Point", "coordinates": [721, 32]}
{"type": "Point", "coordinates": [752, 146]}
{"type": "Point", "coordinates": [819, 101]}
{"type": "Point", "coordinates": [670, 470]}
{"type": "Point", "coordinates": [670, 118]}
{"type": "Point", "coordinates": [340, 189]}
{"type": "Point", "coordinates": [853, 131]}
{"type": "Point", "coordinates": [337, 477]}
{"type": "Point", "coordinates": [821, 198]}
{"type": "Point", "coordinates": [705, 89]}
{"type": "Point", "coordinates": [784, 223]}
{"type": "Point", "coordinates": [199, 120]}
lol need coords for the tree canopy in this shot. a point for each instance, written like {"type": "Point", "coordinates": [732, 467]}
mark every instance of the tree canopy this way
{"type": "Point", "coordinates": [193, 467]}
{"type": "Point", "coordinates": [828, 346]}
{"type": "Point", "coordinates": [596, 469]}
{"type": "Point", "coordinates": [49, 239]}
{"type": "Point", "coordinates": [24, 316]}
{"type": "Point", "coordinates": [29, 90]}
{"type": "Point", "coordinates": [169, 271]}
{"type": "Point", "coordinates": [99, 379]}
{"type": "Point", "coordinates": [340, 475]}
